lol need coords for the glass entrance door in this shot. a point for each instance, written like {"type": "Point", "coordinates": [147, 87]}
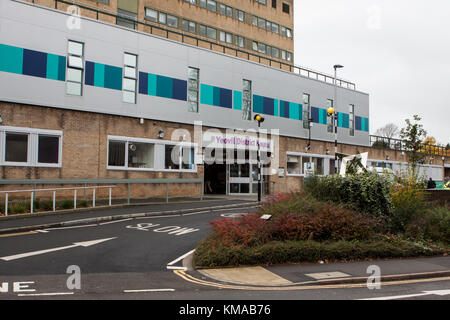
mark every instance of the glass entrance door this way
{"type": "Point", "coordinates": [240, 179]}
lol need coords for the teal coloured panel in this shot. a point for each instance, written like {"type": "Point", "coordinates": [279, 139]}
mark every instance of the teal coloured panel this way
{"type": "Point", "coordinates": [99, 75]}
{"type": "Point", "coordinates": [346, 120]}
{"type": "Point", "coordinates": [113, 77]}
{"type": "Point", "coordinates": [363, 124]}
{"type": "Point", "coordinates": [52, 66]}
{"type": "Point", "coordinates": [300, 110]}
{"type": "Point", "coordinates": [258, 104]}
{"type": "Point", "coordinates": [216, 96]}
{"type": "Point", "coordinates": [62, 68]}
{"type": "Point", "coordinates": [237, 100]}
{"type": "Point", "coordinates": [164, 87]}
{"type": "Point", "coordinates": [322, 118]}
{"type": "Point", "coordinates": [152, 84]}
{"type": "Point", "coordinates": [11, 59]}
{"type": "Point", "coordinates": [276, 108]}
{"type": "Point", "coordinates": [367, 124]}
{"type": "Point", "coordinates": [340, 119]}
{"type": "Point", "coordinates": [206, 94]}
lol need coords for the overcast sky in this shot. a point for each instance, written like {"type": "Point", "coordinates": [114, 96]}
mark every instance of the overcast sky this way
{"type": "Point", "coordinates": [398, 51]}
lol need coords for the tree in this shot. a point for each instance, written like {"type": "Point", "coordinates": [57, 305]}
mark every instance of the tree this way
{"type": "Point", "coordinates": [388, 131]}
{"type": "Point", "coordinates": [413, 135]}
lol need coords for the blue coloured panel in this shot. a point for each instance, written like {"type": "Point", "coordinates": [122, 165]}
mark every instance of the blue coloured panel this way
{"type": "Point", "coordinates": [315, 114]}
{"type": "Point", "coordinates": [34, 63]}
{"type": "Point", "coordinates": [268, 106]}
{"type": "Point", "coordinates": [179, 90]}
{"type": "Point", "coordinates": [358, 123]}
{"type": "Point", "coordinates": [226, 98]}
{"type": "Point", "coordinates": [62, 68]}
{"type": "Point", "coordinates": [89, 73]}
{"type": "Point", "coordinates": [216, 96]}
{"type": "Point", "coordinates": [143, 83]}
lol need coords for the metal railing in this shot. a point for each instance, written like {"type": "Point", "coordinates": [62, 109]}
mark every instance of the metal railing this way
{"type": "Point", "coordinates": [239, 53]}
{"type": "Point", "coordinates": [54, 190]}
{"type": "Point", "coordinates": [109, 183]}
{"type": "Point", "coordinates": [399, 145]}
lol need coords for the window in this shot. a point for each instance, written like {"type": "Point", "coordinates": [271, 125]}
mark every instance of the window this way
{"type": "Point", "coordinates": [286, 8]}
{"type": "Point", "coordinates": [240, 41]}
{"type": "Point", "coordinates": [16, 147]}
{"type": "Point", "coordinates": [30, 147]}
{"type": "Point", "coordinates": [229, 12]}
{"type": "Point", "coordinates": [293, 164]}
{"type": "Point", "coordinates": [151, 14]}
{"type": "Point", "coordinates": [274, 4]}
{"type": "Point", "coordinates": [193, 89]}
{"type": "Point", "coordinates": [191, 1]}
{"type": "Point", "coordinates": [226, 37]}
{"type": "Point", "coordinates": [48, 149]}
{"type": "Point", "coordinates": [352, 119]}
{"type": "Point", "coordinates": [275, 28]}
{"type": "Point", "coordinates": [211, 33]}
{"type": "Point", "coordinates": [261, 23]}
{"type": "Point", "coordinates": [247, 100]}
{"type": "Point", "coordinates": [283, 31]}
{"type": "Point", "coordinates": [262, 1]}
{"type": "Point", "coordinates": [203, 3]}
{"type": "Point", "coordinates": [129, 78]}
{"type": "Point", "coordinates": [306, 111]}
{"type": "Point", "coordinates": [240, 15]}
{"type": "Point", "coordinates": [172, 157]}
{"type": "Point", "coordinates": [162, 18]}
{"type": "Point", "coordinates": [329, 118]}
{"type": "Point", "coordinates": [126, 19]}
{"type": "Point", "coordinates": [202, 30]}
{"type": "Point", "coordinates": [212, 5]}
{"type": "Point", "coordinates": [116, 153]}
{"type": "Point", "coordinates": [187, 158]}
{"type": "Point", "coordinates": [289, 33]}
{"type": "Point", "coordinates": [189, 26]}
{"type": "Point", "coordinates": [141, 155]}
{"type": "Point", "coordinates": [172, 21]}
{"type": "Point", "coordinates": [75, 68]}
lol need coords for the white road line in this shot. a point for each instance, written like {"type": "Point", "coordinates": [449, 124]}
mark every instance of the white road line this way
{"type": "Point", "coordinates": [44, 294]}
{"type": "Point", "coordinates": [42, 231]}
{"type": "Point", "coordinates": [176, 268]}
{"type": "Point", "coordinates": [110, 222]}
{"type": "Point", "coordinates": [140, 218]}
{"type": "Point", "coordinates": [180, 258]}
{"type": "Point", "coordinates": [194, 213]}
{"type": "Point", "coordinates": [73, 227]}
{"type": "Point", "coordinates": [148, 290]}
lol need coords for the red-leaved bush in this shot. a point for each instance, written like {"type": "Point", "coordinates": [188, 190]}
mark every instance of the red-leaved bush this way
{"type": "Point", "coordinates": [331, 223]}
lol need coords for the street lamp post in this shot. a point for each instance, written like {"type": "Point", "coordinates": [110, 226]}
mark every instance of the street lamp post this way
{"type": "Point", "coordinates": [310, 124]}
{"type": "Point", "coordinates": [259, 119]}
{"type": "Point", "coordinates": [332, 113]}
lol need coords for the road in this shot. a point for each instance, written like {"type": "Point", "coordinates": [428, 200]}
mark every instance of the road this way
{"type": "Point", "coordinates": [128, 259]}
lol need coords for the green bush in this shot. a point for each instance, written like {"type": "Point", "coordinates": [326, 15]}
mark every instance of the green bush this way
{"type": "Point", "coordinates": [209, 254]}
{"type": "Point", "coordinates": [67, 204]}
{"type": "Point", "coordinates": [432, 225]}
{"type": "Point", "coordinates": [19, 207]}
{"type": "Point", "coordinates": [282, 204]}
{"type": "Point", "coordinates": [368, 192]}
{"type": "Point", "coordinates": [82, 204]}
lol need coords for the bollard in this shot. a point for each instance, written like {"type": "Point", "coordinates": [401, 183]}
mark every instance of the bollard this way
{"type": "Point", "coordinates": [75, 199]}
{"type": "Point", "coordinates": [93, 198]}
{"type": "Point", "coordinates": [6, 205]}
{"type": "Point", "coordinates": [54, 200]}
{"type": "Point", "coordinates": [32, 204]}
{"type": "Point", "coordinates": [110, 191]}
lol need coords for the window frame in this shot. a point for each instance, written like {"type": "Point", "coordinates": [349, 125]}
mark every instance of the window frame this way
{"type": "Point", "coordinates": [32, 146]}
{"type": "Point", "coordinates": [70, 67]}
{"type": "Point", "coordinates": [158, 146]}
{"type": "Point", "coordinates": [325, 164]}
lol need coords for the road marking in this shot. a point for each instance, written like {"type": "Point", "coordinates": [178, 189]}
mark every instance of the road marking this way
{"type": "Point", "coordinates": [175, 230]}
{"type": "Point", "coordinates": [327, 275]}
{"type": "Point", "coordinates": [148, 290]}
{"type": "Point", "coordinates": [73, 227]}
{"type": "Point", "coordinates": [170, 264]}
{"type": "Point", "coordinates": [110, 222]}
{"type": "Point", "coordinates": [42, 231]}
{"type": "Point", "coordinates": [424, 293]}
{"type": "Point", "coordinates": [44, 294]}
{"type": "Point", "coordinates": [34, 253]}
{"type": "Point", "coordinates": [233, 215]}
{"type": "Point", "coordinates": [140, 218]}
{"type": "Point", "coordinates": [17, 234]}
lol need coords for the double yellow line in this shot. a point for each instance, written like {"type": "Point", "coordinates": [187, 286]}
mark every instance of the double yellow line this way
{"type": "Point", "coordinates": [182, 274]}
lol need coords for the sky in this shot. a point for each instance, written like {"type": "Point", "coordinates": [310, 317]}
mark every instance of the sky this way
{"type": "Point", "coordinates": [397, 51]}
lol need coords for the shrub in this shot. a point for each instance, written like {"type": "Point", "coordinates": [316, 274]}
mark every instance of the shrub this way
{"type": "Point", "coordinates": [82, 204]}
{"type": "Point", "coordinates": [368, 192]}
{"type": "Point", "coordinates": [432, 224]}
{"type": "Point", "coordinates": [330, 223]}
{"type": "Point", "coordinates": [210, 254]}
{"type": "Point", "coordinates": [19, 207]}
{"type": "Point", "coordinates": [408, 199]}
{"type": "Point", "coordinates": [300, 202]}
{"type": "Point", "coordinates": [67, 204]}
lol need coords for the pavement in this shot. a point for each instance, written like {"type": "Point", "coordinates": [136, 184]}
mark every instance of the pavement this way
{"type": "Point", "coordinates": [322, 274]}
